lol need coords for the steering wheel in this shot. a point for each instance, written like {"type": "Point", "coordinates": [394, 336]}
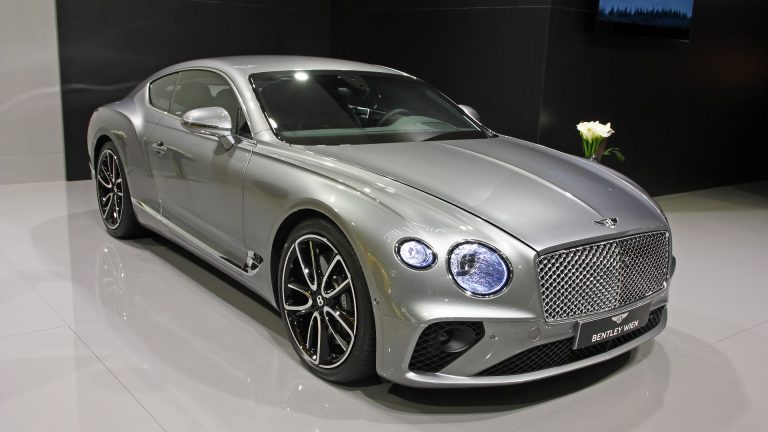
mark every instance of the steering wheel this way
{"type": "Point", "coordinates": [388, 116]}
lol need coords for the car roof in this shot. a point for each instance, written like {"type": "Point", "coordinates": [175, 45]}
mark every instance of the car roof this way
{"type": "Point", "coordinates": [246, 65]}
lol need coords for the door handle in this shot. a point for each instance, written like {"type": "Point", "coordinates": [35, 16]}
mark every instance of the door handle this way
{"type": "Point", "coordinates": [159, 148]}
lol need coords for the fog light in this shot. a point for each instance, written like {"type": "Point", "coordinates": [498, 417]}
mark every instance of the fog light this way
{"type": "Point", "coordinates": [455, 339]}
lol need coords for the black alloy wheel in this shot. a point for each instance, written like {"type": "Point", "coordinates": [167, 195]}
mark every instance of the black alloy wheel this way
{"type": "Point", "coordinates": [325, 303]}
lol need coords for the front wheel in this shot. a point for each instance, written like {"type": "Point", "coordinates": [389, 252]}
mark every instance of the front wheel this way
{"type": "Point", "coordinates": [325, 303]}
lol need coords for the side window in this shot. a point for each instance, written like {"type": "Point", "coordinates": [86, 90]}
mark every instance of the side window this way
{"type": "Point", "coordinates": [161, 90]}
{"type": "Point", "coordinates": [193, 90]}
{"type": "Point", "coordinates": [199, 88]}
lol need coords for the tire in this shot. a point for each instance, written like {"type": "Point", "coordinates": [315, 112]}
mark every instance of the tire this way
{"type": "Point", "coordinates": [332, 298]}
{"type": "Point", "coordinates": [113, 197]}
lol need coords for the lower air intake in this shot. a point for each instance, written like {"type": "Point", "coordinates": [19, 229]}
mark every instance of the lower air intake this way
{"type": "Point", "coordinates": [561, 352]}
{"type": "Point", "coordinates": [443, 342]}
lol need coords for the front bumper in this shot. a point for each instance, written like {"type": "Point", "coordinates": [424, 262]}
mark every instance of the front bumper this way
{"type": "Point", "coordinates": [502, 339]}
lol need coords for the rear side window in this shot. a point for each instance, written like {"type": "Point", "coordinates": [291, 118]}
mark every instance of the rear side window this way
{"type": "Point", "coordinates": [161, 90]}
{"type": "Point", "coordinates": [199, 89]}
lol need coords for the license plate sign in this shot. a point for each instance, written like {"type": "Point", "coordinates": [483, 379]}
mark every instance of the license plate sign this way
{"type": "Point", "coordinates": [612, 326]}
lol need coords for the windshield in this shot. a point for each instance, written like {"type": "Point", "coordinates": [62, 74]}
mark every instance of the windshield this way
{"type": "Point", "coordinates": [347, 107]}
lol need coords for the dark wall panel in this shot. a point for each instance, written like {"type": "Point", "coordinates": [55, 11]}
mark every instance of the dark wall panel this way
{"type": "Point", "coordinates": [106, 47]}
{"type": "Point", "coordinates": [484, 53]}
{"type": "Point", "coordinates": [688, 115]}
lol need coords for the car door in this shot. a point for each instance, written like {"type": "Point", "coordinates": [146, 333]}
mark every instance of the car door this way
{"type": "Point", "coordinates": [159, 94]}
{"type": "Point", "coordinates": [199, 181]}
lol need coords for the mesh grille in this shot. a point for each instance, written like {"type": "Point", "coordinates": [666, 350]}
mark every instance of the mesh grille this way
{"type": "Point", "coordinates": [559, 353]}
{"type": "Point", "coordinates": [427, 355]}
{"type": "Point", "coordinates": [595, 278]}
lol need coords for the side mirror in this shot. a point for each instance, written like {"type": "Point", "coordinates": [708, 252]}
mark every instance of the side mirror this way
{"type": "Point", "coordinates": [213, 121]}
{"type": "Point", "coordinates": [470, 111]}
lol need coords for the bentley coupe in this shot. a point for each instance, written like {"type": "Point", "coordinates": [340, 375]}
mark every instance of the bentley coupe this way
{"type": "Point", "coordinates": [395, 233]}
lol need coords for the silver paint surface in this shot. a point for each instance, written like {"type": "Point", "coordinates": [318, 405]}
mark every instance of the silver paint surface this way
{"type": "Point", "coordinates": [522, 198]}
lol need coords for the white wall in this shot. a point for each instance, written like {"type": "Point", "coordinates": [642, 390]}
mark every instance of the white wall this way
{"type": "Point", "coordinates": [31, 132]}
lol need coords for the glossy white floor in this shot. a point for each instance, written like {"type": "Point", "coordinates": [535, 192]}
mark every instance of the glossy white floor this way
{"type": "Point", "coordinates": [105, 335]}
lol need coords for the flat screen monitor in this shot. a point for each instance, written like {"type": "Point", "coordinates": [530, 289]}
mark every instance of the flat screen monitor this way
{"type": "Point", "coordinates": [665, 18]}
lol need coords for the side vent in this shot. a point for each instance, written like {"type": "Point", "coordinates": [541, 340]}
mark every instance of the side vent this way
{"type": "Point", "coordinates": [253, 263]}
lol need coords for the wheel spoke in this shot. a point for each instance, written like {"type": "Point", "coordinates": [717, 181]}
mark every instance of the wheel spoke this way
{"type": "Point", "coordinates": [336, 261]}
{"type": "Point", "coordinates": [317, 339]}
{"type": "Point", "coordinates": [308, 268]}
{"type": "Point", "coordinates": [118, 208]}
{"type": "Point", "coordinates": [342, 318]}
{"type": "Point", "coordinates": [339, 289]}
{"type": "Point", "coordinates": [103, 169]}
{"type": "Point", "coordinates": [301, 289]}
{"type": "Point", "coordinates": [105, 209]}
{"type": "Point", "coordinates": [108, 166]}
{"type": "Point", "coordinates": [313, 260]}
{"type": "Point", "coordinates": [344, 345]}
{"type": "Point", "coordinates": [322, 349]}
{"type": "Point", "coordinates": [331, 318]}
{"type": "Point", "coordinates": [114, 169]}
{"type": "Point", "coordinates": [312, 331]}
{"type": "Point", "coordinates": [119, 187]}
{"type": "Point", "coordinates": [298, 308]}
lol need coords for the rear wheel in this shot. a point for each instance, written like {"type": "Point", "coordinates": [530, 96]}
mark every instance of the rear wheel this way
{"type": "Point", "coordinates": [325, 303]}
{"type": "Point", "coordinates": [113, 196]}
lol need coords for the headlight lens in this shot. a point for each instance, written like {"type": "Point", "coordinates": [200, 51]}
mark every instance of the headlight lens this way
{"type": "Point", "coordinates": [415, 254]}
{"type": "Point", "coordinates": [478, 269]}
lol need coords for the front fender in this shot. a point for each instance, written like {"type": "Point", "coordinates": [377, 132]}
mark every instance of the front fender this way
{"type": "Point", "coordinates": [374, 213]}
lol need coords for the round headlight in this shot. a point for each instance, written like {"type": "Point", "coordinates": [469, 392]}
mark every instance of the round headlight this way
{"type": "Point", "coordinates": [478, 269]}
{"type": "Point", "coordinates": [415, 254]}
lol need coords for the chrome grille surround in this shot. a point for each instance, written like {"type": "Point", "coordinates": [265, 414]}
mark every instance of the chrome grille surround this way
{"type": "Point", "coordinates": [602, 276]}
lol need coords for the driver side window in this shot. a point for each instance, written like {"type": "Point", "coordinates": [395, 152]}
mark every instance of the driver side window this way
{"type": "Point", "coordinates": [200, 89]}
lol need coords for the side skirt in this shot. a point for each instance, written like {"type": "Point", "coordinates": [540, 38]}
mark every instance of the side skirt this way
{"type": "Point", "coordinates": [249, 268]}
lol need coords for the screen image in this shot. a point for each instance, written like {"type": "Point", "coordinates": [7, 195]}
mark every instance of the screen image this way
{"type": "Point", "coordinates": [672, 14]}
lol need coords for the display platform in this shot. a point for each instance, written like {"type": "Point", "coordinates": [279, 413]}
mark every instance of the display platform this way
{"type": "Point", "coordinates": [98, 334]}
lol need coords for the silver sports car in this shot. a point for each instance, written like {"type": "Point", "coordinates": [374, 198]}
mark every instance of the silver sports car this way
{"type": "Point", "coordinates": [393, 231]}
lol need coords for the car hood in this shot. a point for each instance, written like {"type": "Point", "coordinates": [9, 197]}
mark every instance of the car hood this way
{"type": "Point", "coordinates": [543, 197]}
